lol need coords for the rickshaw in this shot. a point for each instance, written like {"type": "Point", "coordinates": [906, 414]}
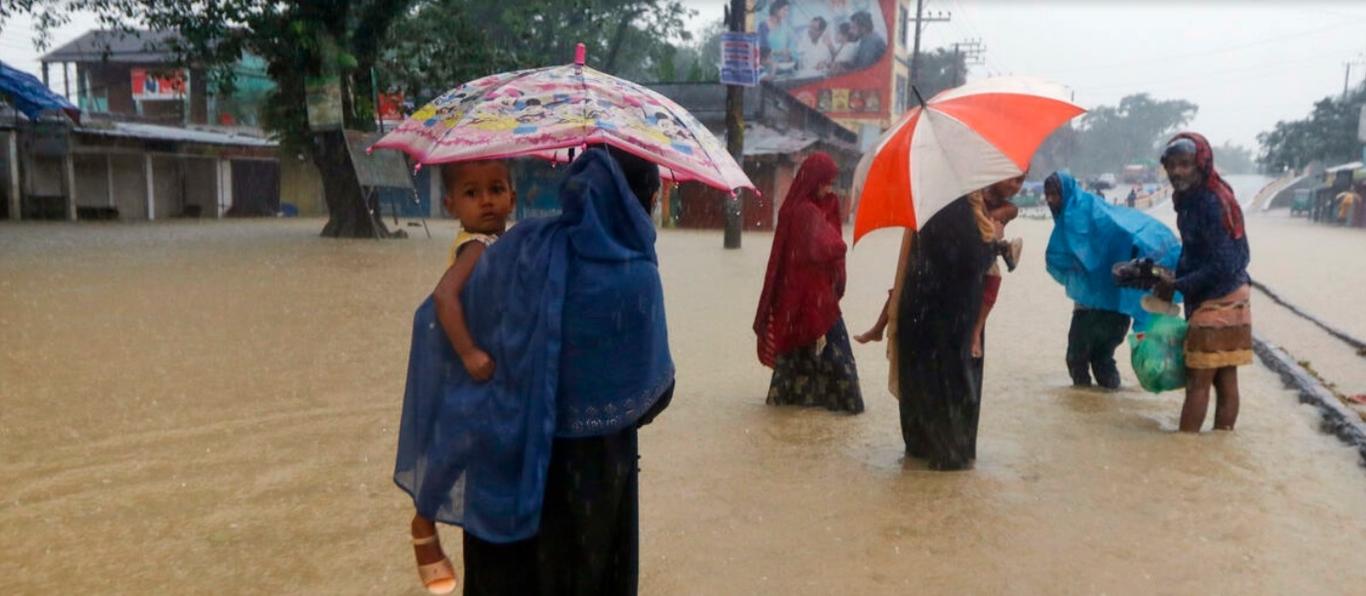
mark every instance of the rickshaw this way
{"type": "Point", "coordinates": [1302, 203]}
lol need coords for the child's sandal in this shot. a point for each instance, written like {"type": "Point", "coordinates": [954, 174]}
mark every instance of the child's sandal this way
{"type": "Point", "coordinates": [438, 577]}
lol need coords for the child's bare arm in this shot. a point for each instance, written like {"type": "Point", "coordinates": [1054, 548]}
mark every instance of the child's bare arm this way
{"type": "Point", "coordinates": [452, 314]}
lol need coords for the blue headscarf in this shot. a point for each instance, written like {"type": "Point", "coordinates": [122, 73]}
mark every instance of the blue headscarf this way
{"type": "Point", "coordinates": [571, 310]}
{"type": "Point", "coordinates": [1090, 236]}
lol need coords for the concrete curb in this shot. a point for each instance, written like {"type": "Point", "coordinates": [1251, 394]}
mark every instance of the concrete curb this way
{"type": "Point", "coordinates": [1337, 418]}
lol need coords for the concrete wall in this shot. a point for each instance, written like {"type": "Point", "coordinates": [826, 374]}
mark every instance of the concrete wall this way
{"type": "Point", "coordinates": [301, 185]}
{"type": "Point", "coordinates": [44, 176]}
{"type": "Point", "coordinates": [201, 184]}
{"type": "Point", "coordinates": [437, 194]}
{"type": "Point", "coordinates": [5, 183]}
{"type": "Point", "coordinates": [167, 178]}
{"type": "Point", "coordinates": [92, 181]}
{"type": "Point", "coordinates": [130, 187]}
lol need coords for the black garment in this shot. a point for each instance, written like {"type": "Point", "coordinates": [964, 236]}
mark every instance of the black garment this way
{"type": "Point", "coordinates": [940, 382]}
{"type": "Point", "coordinates": [828, 379]}
{"type": "Point", "coordinates": [1091, 344]}
{"type": "Point", "coordinates": [589, 538]}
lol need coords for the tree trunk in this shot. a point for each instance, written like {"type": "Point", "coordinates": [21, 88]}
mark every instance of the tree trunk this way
{"type": "Point", "coordinates": [349, 215]}
{"type": "Point", "coordinates": [617, 37]}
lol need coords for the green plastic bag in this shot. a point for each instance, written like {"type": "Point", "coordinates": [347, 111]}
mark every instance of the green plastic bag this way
{"type": "Point", "coordinates": [1159, 354]}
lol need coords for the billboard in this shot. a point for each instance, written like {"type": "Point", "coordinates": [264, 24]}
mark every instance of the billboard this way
{"type": "Point", "coordinates": [158, 84]}
{"type": "Point", "coordinates": [834, 55]}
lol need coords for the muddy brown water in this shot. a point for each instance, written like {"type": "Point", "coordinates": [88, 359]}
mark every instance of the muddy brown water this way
{"type": "Point", "coordinates": [211, 407]}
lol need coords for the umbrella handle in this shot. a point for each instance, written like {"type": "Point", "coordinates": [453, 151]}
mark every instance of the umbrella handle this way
{"type": "Point", "coordinates": [579, 52]}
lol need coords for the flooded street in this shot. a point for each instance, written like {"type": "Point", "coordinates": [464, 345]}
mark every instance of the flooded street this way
{"type": "Point", "coordinates": [1320, 269]}
{"type": "Point", "coordinates": [212, 407]}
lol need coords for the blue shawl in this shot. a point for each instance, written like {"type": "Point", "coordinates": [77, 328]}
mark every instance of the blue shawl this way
{"type": "Point", "coordinates": [1090, 236]}
{"type": "Point", "coordinates": [571, 310]}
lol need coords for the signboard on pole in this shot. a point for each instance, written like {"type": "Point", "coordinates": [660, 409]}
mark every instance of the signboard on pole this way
{"type": "Point", "coordinates": [324, 103]}
{"type": "Point", "coordinates": [158, 84]}
{"type": "Point", "coordinates": [740, 59]}
{"type": "Point", "coordinates": [382, 168]}
{"type": "Point", "coordinates": [390, 106]}
{"type": "Point", "coordinates": [323, 91]}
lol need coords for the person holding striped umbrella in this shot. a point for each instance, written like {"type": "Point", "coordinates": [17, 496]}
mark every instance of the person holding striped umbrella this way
{"type": "Point", "coordinates": [938, 172]}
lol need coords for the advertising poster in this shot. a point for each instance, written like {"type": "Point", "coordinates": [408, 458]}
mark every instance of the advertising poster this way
{"type": "Point", "coordinates": [158, 84]}
{"type": "Point", "coordinates": [739, 59]}
{"type": "Point", "coordinates": [834, 55]}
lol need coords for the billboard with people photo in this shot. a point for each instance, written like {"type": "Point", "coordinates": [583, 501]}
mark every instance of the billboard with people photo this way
{"type": "Point", "coordinates": [835, 55]}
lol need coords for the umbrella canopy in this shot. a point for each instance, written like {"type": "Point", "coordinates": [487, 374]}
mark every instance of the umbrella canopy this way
{"type": "Point", "coordinates": [539, 111]}
{"type": "Point", "coordinates": [964, 139]}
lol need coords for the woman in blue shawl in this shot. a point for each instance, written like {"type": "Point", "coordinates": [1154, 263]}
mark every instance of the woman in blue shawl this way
{"type": "Point", "coordinates": [1089, 237]}
{"type": "Point", "coordinates": [538, 465]}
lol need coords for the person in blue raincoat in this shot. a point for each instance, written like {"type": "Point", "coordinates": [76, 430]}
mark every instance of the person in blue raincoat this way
{"type": "Point", "coordinates": [1089, 237]}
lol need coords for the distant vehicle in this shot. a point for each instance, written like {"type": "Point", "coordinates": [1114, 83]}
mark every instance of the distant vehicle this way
{"type": "Point", "coordinates": [1302, 203]}
{"type": "Point", "coordinates": [1108, 180]}
{"type": "Point", "coordinates": [1135, 174]}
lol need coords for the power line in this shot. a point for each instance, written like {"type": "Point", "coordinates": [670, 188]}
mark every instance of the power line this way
{"type": "Point", "coordinates": [973, 54]}
{"type": "Point", "coordinates": [975, 33]}
{"type": "Point", "coordinates": [920, 20]}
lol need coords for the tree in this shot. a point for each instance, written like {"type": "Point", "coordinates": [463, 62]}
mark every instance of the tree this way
{"type": "Point", "coordinates": [1110, 137]}
{"type": "Point", "coordinates": [1328, 135]}
{"type": "Point", "coordinates": [700, 60]}
{"type": "Point", "coordinates": [1235, 159]}
{"type": "Point", "coordinates": [438, 46]}
{"type": "Point", "coordinates": [298, 40]}
{"type": "Point", "coordinates": [940, 69]}
{"type": "Point", "coordinates": [1055, 153]}
{"type": "Point", "coordinates": [442, 43]}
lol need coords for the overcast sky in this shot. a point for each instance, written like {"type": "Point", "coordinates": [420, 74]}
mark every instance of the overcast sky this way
{"type": "Point", "coordinates": [1246, 64]}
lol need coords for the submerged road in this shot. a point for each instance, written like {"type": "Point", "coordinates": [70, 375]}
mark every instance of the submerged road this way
{"type": "Point", "coordinates": [211, 407]}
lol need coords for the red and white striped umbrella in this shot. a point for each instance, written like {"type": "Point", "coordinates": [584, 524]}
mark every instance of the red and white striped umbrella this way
{"type": "Point", "coordinates": [964, 139]}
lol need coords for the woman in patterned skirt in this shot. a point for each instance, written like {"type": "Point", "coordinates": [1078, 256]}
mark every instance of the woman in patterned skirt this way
{"type": "Point", "coordinates": [801, 333]}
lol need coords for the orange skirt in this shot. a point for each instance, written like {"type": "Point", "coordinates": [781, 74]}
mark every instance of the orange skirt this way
{"type": "Point", "coordinates": [1220, 332]}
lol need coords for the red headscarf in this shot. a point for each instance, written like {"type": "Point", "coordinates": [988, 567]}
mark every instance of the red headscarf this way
{"type": "Point", "coordinates": [1204, 161]}
{"type": "Point", "coordinates": [805, 280]}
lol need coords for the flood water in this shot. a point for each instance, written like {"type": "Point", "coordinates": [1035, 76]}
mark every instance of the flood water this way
{"type": "Point", "coordinates": [211, 407]}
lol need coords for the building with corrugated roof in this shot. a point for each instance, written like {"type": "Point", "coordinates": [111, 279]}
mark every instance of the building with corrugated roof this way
{"type": "Point", "coordinates": [780, 131]}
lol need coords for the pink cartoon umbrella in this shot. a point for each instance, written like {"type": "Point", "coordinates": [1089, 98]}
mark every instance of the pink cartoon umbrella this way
{"type": "Point", "coordinates": [546, 112]}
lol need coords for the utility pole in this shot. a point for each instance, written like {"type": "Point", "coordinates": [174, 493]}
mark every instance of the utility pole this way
{"type": "Point", "coordinates": [735, 131]}
{"type": "Point", "coordinates": [921, 19]}
{"type": "Point", "coordinates": [1347, 76]}
{"type": "Point", "coordinates": [971, 54]}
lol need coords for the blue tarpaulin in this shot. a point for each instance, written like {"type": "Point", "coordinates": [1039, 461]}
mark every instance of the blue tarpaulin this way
{"type": "Point", "coordinates": [30, 96]}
